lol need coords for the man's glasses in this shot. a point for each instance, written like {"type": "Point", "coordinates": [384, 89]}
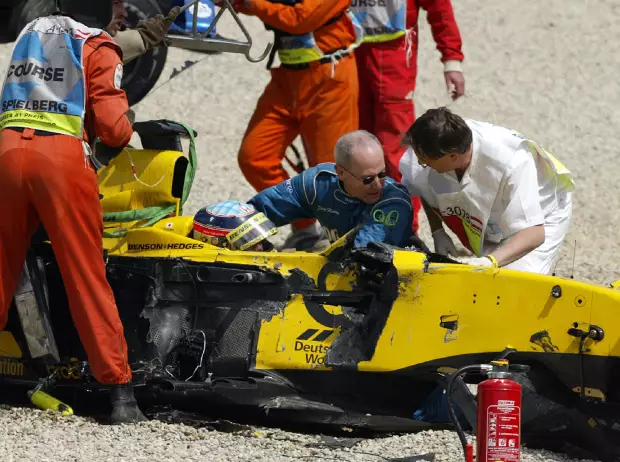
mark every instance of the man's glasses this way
{"type": "Point", "coordinates": [367, 180]}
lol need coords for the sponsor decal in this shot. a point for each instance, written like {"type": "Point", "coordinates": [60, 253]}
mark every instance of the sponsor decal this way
{"type": "Point", "coordinates": [289, 186]}
{"type": "Point", "coordinates": [118, 76]}
{"type": "Point", "coordinates": [153, 246]}
{"type": "Point", "coordinates": [243, 229]}
{"type": "Point", "coordinates": [457, 211]}
{"type": "Point", "coordinates": [379, 30]}
{"type": "Point", "coordinates": [389, 219]}
{"type": "Point", "coordinates": [11, 367]}
{"type": "Point", "coordinates": [320, 208]}
{"type": "Point", "coordinates": [56, 74]}
{"type": "Point", "coordinates": [311, 343]}
{"type": "Point", "coordinates": [332, 234]}
{"type": "Point", "coordinates": [34, 105]}
{"type": "Point", "coordinates": [370, 3]}
{"type": "Point", "coordinates": [69, 371]}
{"type": "Point", "coordinates": [54, 28]}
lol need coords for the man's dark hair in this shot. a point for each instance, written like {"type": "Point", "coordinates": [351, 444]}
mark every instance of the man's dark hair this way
{"type": "Point", "coordinates": [439, 132]}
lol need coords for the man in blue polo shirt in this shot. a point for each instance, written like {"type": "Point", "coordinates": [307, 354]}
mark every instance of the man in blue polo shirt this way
{"type": "Point", "coordinates": [352, 191]}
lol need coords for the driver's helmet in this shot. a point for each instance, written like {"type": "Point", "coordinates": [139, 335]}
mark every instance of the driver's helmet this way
{"type": "Point", "coordinates": [234, 225]}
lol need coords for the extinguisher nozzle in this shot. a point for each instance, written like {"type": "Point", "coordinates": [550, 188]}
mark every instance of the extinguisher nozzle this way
{"type": "Point", "coordinates": [469, 453]}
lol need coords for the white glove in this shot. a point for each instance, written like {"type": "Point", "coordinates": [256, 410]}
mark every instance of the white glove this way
{"type": "Point", "coordinates": [476, 261]}
{"type": "Point", "coordinates": [443, 243]}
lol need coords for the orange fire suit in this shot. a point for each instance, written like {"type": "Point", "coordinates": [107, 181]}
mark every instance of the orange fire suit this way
{"type": "Point", "coordinates": [317, 100]}
{"type": "Point", "coordinates": [47, 177]}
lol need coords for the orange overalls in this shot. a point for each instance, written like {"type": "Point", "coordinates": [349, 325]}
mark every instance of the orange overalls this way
{"type": "Point", "coordinates": [46, 177]}
{"type": "Point", "coordinates": [317, 100]}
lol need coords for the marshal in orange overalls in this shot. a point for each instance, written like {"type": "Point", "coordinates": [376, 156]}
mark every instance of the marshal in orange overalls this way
{"type": "Point", "coordinates": [313, 93]}
{"type": "Point", "coordinates": [46, 177]}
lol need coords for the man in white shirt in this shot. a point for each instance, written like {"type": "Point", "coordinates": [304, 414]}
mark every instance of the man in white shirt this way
{"type": "Point", "coordinates": [505, 197]}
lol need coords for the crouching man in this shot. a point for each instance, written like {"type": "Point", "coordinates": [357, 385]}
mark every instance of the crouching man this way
{"type": "Point", "coordinates": [352, 191]}
{"type": "Point", "coordinates": [505, 197]}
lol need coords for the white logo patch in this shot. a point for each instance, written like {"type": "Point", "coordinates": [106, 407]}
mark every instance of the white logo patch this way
{"type": "Point", "coordinates": [203, 11]}
{"type": "Point", "coordinates": [118, 76]}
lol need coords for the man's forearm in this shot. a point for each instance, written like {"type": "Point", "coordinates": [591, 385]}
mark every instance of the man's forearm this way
{"type": "Point", "coordinates": [131, 43]}
{"type": "Point", "coordinates": [434, 221]}
{"type": "Point", "coordinates": [280, 206]}
{"type": "Point", "coordinates": [519, 245]}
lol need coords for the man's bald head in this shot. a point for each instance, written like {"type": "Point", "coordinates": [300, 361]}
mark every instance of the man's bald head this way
{"type": "Point", "coordinates": [356, 147]}
{"type": "Point", "coordinates": [360, 165]}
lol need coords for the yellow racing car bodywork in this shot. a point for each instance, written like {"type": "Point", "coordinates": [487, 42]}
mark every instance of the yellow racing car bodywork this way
{"type": "Point", "coordinates": [347, 331]}
{"type": "Point", "coordinates": [442, 310]}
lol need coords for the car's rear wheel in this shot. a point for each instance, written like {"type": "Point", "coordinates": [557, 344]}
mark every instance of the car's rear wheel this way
{"type": "Point", "coordinates": [28, 10]}
{"type": "Point", "coordinates": [141, 74]}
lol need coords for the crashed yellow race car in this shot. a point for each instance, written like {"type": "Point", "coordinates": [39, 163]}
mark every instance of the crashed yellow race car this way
{"type": "Point", "coordinates": [360, 338]}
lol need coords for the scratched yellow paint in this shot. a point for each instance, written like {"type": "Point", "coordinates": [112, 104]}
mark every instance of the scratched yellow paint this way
{"type": "Point", "coordinates": [494, 309]}
{"type": "Point", "coordinates": [8, 346]}
{"type": "Point", "coordinates": [279, 345]}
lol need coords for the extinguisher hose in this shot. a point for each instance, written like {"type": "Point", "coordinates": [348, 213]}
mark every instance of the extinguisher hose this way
{"type": "Point", "coordinates": [452, 414]}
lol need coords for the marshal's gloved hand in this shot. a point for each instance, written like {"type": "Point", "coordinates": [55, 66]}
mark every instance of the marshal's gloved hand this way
{"type": "Point", "coordinates": [153, 30]}
{"type": "Point", "coordinates": [443, 243]}
{"type": "Point", "coordinates": [477, 261]}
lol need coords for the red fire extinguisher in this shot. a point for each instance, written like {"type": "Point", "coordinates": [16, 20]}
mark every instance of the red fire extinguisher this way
{"type": "Point", "coordinates": [498, 432]}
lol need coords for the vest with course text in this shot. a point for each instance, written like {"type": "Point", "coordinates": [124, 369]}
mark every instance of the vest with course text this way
{"type": "Point", "coordinates": [302, 48]}
{"type": "Point", "coordinates": [381, 20]}
{"type": "Point", "coordinates": [44, 87]}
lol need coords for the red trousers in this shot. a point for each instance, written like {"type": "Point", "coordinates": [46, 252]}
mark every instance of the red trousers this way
{"type": "Point", "coordinates": [46, 178]}
{"type": "Point", "coordinates": [386, 86]}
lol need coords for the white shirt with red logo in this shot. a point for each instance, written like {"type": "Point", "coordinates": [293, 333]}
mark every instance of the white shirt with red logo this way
{"type": "Point", "coordinates": [505, 189]}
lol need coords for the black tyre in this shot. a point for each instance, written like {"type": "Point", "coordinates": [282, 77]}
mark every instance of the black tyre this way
{"type": "Point", "coordinates": [165, 5]}
{"type": "Point", "coordinates": [557, 425]}
{"type": "Point", "coordinates": [29, 10]}
{"type": "Point", "coordinates": [141, 74]}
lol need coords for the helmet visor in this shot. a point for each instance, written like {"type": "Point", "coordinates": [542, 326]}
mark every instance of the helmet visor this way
{"type": "Point", "coordinates": [250, 233]}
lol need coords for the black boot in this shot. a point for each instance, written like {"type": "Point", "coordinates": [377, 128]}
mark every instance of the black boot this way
{"type": "Point", "coordinates": [124, 406]}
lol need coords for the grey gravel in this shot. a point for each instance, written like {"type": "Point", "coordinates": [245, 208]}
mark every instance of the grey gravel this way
{"type": "Point", "coordinates": [42, 435]}
{"type": "Point", "coordinates": [546, 69]}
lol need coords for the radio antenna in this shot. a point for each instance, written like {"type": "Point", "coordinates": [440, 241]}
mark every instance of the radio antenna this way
{"type": "Point", "coordinates": [574, 255]}
{"type": "Point", "coordinates": [556, 264]}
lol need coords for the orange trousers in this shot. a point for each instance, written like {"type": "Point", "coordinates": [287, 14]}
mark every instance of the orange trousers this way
{"type": "Point", "coordinates": [48, 179]}
{"type": "Point", "coordinates": [308, 102]}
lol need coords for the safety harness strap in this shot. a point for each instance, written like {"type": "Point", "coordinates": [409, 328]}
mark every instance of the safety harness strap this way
{"type": "Point", "coordinates": [279, 33]}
